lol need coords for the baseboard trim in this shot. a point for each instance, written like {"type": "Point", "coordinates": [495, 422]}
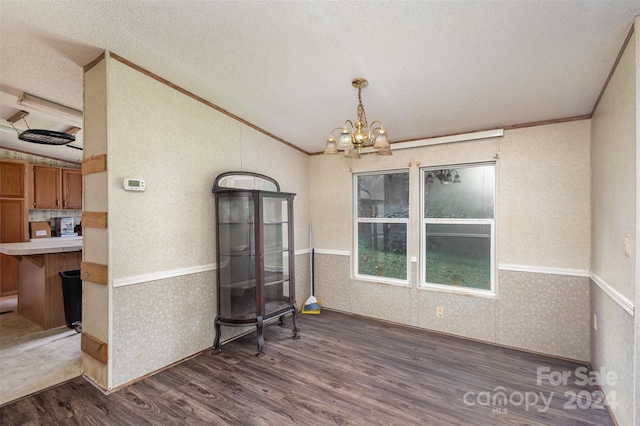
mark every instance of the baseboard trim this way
{"type": "Point", "coordinates": [173, 364]}
{"type": "Point", "coordinates": [94, 383]}
{"type": "Point", "coordinates": [613, 294]}
{"type": "Point", "coordinates": [458, 336]}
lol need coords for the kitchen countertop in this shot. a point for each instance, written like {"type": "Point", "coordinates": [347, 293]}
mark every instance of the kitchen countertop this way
{"type": "Point", "coordinates": [42, 246]}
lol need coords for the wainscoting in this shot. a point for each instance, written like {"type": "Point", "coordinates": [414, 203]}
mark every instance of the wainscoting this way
{"type": "Point", "coordinates": [542, 310]}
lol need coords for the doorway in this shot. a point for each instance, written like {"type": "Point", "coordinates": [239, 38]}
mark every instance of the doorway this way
{"type": "Point", "coordinates": [31, 358]}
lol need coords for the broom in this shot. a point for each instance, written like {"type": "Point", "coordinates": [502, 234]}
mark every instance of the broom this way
{"type": "Point", "coordinates": [311, 306]}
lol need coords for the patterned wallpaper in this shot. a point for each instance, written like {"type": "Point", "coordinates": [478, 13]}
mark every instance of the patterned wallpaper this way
{"type": "Point", "coordinates": [160, 322]}
{"type": "Point", "coordinates": [612, 348]}
{"type": "Point", "coordinates": [542, 313]}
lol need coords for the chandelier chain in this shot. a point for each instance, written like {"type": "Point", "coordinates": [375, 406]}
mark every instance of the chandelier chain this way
{"type": "Point", "coordinates": [362, 115]}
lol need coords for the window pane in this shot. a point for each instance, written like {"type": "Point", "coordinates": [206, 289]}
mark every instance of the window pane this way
{"type": "Point", "coordinates": [465, 192]}
{"type": "Point", "coordinates": [459, 255]}
{"type": "Point", "coordinates": [382, 249]}
{"type": "Point", "coordinates": [383, 195]}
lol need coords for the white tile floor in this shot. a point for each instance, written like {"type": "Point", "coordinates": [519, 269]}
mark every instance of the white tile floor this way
{"type": "Point", "coordinates": [32, 359]}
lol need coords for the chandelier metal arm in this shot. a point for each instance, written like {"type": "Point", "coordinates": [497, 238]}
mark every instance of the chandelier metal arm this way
{"type": "Point", "coordinates": [375, 129]}
{"type": "Point", "coordinates": [331, 133]}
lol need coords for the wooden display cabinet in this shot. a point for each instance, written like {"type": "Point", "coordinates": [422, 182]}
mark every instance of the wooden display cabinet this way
{"type": "Point", "coordinates": [254, 253]}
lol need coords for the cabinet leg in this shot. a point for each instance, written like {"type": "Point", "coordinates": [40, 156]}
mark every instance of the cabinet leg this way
{"type": "Point", "coordinates": [281, 320]}
{"type": "Point", "coordinates": [294, 316]}
{"type": "Point", "coordinates": [216, 342]}
{"type": "Point", "coordinates": [260, 329]}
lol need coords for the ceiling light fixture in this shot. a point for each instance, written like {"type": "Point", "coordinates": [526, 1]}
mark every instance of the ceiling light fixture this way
{"type": "Point", "coordinates": [353, 137]}
{"type": "Point", "coordinates": [69, 115]}
{"type": "Point", "coordinates": [44, 137]}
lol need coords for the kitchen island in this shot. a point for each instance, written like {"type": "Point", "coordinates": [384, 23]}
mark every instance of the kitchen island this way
{"type": "Point", "coordinates": [39, 284]}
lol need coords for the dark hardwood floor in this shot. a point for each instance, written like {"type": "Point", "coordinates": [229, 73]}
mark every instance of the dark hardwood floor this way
{"type": "Point", "coordinates": [345, 370]}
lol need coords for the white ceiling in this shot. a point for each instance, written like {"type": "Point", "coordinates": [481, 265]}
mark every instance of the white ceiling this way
{"type": "Point", "coordinates": [434, 67]}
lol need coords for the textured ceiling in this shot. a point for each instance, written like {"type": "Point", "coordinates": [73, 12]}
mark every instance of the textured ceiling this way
{"type": "Point", "coordinates": [434, 67]}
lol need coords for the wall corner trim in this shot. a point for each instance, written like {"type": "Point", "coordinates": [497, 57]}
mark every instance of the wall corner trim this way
{"type": "Point", "coordinates": [544, 270]}
{"type": "Point", "coordinates": [94, 219]}
{"type": "Point", "coordinates": [94, 347]}
{"type": "Point", "coordinates": [624, 303]}
{"type": "Point", "coordinates": [94, 272]}
{"type": "Point", "coordinates": [94, 164]}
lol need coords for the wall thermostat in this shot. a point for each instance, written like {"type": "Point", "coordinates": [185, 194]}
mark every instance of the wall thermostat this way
{"type": "Point", "coordinates": [132, 184]}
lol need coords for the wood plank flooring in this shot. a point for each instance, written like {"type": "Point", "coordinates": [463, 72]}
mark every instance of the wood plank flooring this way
{"type": "Point", "coordinates": [345, 370]}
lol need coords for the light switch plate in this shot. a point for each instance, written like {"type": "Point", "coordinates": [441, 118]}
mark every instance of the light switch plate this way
{"type": "Point", "coordinates": [627, 245]}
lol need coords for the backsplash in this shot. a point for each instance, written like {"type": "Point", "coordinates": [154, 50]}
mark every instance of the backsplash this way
{"type": "Point", "coordinates": [47, 215]}
{"type": "Point", "coordinates": [36, 159]}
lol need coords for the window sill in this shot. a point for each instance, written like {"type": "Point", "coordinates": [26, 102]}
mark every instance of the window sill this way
{"type": "Point", "coordinates": [460, 291]}
{"type": "Point", "coordinates": [381, 280]}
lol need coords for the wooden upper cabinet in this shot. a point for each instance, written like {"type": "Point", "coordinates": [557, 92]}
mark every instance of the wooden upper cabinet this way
{"type": "Point", "coordinates": [12, 179]}
{"type": "Point", "coordinates": [13, 226]}
{"type": "Point", "coordinates": [71, 189]}
{"type": "Point", "coordinates": [46, 187]}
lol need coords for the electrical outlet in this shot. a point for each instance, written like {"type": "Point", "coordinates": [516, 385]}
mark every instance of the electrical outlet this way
{"type": "Point", "coordinates": [440, 312]}
{"type": "Point", "coordinates": [595, 322]}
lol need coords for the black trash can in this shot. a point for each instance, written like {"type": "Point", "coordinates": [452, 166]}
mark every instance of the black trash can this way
{"type": "Point", "coordinates": [72, 295]}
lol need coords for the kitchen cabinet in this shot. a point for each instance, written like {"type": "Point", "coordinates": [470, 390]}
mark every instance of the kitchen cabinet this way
{"type": "Point", "coordinates": [13, 218]}
{"type": "Point", "coordinates": [255, 253]}
{"type": "Point", "coordinates": [9, 275]}
{"type": "Point", "coordinates": [40, 296]}
{"type": "Point", "coordinates": [56, 188]}
{"type": "Point", "coordinates": [46, 187]}
{"type": "Point", "coordinates": [71, 189]}
{"type": "Point", "coordinates": [12, 230]}
{"type": "Point", "coordinates": [12, 179]}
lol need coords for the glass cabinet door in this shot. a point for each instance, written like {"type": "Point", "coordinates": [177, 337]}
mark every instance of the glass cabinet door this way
{"type": "Point", "coordinates": [237, 257]}
{"type": "Point", "coordinates": [275, 231]}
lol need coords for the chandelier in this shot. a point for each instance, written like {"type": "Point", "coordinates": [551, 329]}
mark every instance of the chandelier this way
{"type": "Point", "coordinates": [354, 137]}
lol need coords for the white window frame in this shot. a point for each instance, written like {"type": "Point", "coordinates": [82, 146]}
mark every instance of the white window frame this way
{"type": "Point", "coordinates": [357, 220]}
{"type": "Point", "coordinates": [491, 292]}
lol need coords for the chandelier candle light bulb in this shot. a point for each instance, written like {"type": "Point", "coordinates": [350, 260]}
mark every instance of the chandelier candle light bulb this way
{"type": "Point", "coordinates": [354, 137]}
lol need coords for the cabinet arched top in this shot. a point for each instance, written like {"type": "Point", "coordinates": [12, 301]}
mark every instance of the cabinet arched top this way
{"type": "Point", "coordinates": [245, 181]}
